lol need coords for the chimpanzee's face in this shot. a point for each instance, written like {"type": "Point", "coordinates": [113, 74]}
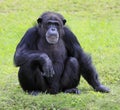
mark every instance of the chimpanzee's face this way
{"type": "Point", "coordinates": [53, 27]}
{"type": "Point", "coordinates": [52, 31]}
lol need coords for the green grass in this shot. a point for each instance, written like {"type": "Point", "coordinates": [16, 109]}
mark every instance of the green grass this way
{"type": "Point", "coordinates": [96, 24]}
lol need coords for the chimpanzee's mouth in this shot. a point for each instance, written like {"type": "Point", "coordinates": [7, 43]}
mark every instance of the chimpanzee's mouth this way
{"type": "Point", "coordinates": [52, 39]}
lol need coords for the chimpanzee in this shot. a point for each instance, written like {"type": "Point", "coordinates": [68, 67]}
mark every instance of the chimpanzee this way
{"type": "Point", "coordinates": [51, 59]}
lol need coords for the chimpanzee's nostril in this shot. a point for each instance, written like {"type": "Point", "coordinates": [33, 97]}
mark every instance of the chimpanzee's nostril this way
{"type": "Point", "coordinates": [53, 29]}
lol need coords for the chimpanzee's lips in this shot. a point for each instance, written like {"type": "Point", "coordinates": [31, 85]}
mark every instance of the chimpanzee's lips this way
{"type": "Point", "coordinates": [52, 39]}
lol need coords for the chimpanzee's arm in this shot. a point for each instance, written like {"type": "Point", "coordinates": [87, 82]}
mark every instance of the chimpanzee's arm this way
{"type": "Point", "coordinates": [86, 68]}
{"type": "Point", "coordinates": [26, 47]}
{"type": "Point", "coordinates": [26, 51]}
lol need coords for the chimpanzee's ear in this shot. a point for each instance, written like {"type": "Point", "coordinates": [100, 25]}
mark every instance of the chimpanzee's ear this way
{"type": "Point", "coordinates": [39, 20]}
{"type": "Point", "coordinates": [64, 21]}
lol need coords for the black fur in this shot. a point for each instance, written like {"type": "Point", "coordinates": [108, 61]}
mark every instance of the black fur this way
{"type": "Point", "coordinates": [53, 68]}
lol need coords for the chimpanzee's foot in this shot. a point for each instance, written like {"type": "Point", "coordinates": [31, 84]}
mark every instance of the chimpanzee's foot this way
{"type": "Point", "coordinates": [73, 90]}
{"type": "Point", "coordinates": [102, 88]}
{"type": "Point", "coordinates": [33, 93]}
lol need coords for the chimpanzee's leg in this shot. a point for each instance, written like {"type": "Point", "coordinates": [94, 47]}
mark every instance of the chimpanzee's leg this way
{"type": "Point", "coordinates": [71, 76]}
{"type": "Point", "coordinates": [90, 74]}
{"type": "Point", "coordinates": [30, 78]}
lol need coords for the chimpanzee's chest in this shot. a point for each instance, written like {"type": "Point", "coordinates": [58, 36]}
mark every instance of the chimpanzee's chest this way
{"type": "Point", "coordinates": [56, 52]}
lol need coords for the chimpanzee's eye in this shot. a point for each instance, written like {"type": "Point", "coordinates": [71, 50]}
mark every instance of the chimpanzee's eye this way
{"type": "Point", "coordinates": [56, 24]}
{"type": "Point", "coordinates": [49, 23]}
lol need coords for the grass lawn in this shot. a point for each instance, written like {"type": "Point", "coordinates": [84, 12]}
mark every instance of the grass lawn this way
{"type": "Point", "coordinates": [96, 24]}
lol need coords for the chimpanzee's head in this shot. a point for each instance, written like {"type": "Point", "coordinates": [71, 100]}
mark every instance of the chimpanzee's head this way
{"type": "Point", "coordinates": [51, 25]}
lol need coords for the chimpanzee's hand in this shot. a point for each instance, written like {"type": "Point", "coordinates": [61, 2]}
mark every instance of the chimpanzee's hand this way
{"type": "Point", "coordinates": [47, 68]}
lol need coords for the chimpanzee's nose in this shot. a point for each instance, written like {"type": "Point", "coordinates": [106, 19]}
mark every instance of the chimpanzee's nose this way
{"type": "Point", "coordinates": [53, 29]}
